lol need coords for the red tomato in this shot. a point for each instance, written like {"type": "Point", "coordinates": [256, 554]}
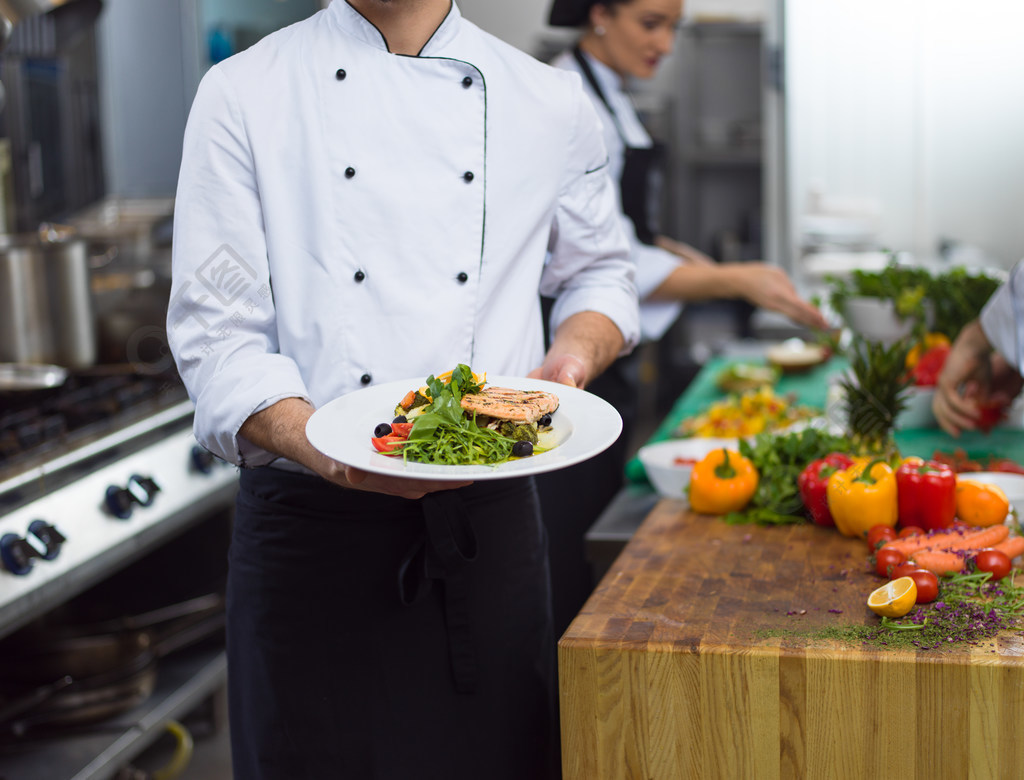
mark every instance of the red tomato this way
{"type": "Point", "coordinates": [995, 561]}
{"type": "Point", "coordinates": [927, 585]}
{"type": "Point", "coordinates": [388, 443]}
{"type": "Point", "coordinates": [880, 533]}
{"type": "Point", "coordinates": [910, 530]}
{"type": "Point", "coordinates": [903, 570]}
{"type": "Point", "coordinates": [888, 559]}
{"type": "Point", "coordinates": [402, 429]}
{"type": "Point", "coordinates": [990, 414]}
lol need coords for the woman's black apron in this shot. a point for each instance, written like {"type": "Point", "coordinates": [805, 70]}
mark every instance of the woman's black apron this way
{"type": "Point", "coordinates": [572, 499]}
{"type": "Point", "coordinates": [375, 637]}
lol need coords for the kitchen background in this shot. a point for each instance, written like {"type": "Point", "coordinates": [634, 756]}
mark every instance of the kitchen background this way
{"type": "Point", "coordinates": [819, 136]}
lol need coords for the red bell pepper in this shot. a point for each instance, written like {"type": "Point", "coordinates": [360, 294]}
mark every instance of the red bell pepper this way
{"type": "Point", "coordinates": [926, 372]}
{"type": "Point", "coordinates": [813, 484]}
{"type": "Point", "coordinates": [926, 494]}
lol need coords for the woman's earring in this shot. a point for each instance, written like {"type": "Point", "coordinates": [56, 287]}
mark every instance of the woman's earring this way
{"type": "Point", "coordinates": [599, 30]}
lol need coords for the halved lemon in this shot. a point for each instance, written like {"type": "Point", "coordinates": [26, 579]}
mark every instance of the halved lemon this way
{"type": "Point", "coordinates": [894, 599]}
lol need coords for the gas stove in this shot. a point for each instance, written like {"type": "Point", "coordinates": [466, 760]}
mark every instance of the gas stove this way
{"type": "Point", "coordinates": [93, 475]}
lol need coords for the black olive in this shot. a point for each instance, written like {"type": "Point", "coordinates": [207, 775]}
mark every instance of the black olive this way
{"type": "Point", "coordinates": [522, 449]}
{"type": "Point", "coordinates": [382, 430]}
{"type": "Point", "coordinates": [400, 419]}
{"type": "Point", "coordinates": [544, 421]}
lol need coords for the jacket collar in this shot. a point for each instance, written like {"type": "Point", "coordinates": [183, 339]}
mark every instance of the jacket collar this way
{"type": "Point", "coordinates": [351, 22]}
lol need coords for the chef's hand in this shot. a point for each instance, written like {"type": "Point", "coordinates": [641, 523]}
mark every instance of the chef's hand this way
{"type": "Point", "coordinates": [281, 429]}
{"type": "Point", "coordinates": [964, 381]}
{"type": "Point", "coordinates": [770, 288]}
{"type": "Point", "coordinates": [564, 369]}
{"type": "Point", "coordinates": [584, 345]}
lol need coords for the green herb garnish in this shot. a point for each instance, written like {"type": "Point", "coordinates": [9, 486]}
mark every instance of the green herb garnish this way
{"type": "Point", "coordinates": [444, 435]}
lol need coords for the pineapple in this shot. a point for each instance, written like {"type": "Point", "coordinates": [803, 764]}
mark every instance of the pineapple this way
{"type": "Point", "coordinates": [875, 394]}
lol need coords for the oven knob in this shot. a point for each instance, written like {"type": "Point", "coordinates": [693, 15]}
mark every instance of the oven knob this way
{"type": "Point", "coordinates": [51, 538]}
{"type": "Point", "coordinates": [202, 459]}
{"type": "Point", "coordinates": [119, 502]}
{"type": "Point", "coordinates": [16, 554]}
{"type": "Point", "coordinates": [142, 489]}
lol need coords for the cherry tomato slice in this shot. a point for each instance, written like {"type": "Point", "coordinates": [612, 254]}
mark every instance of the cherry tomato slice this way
{"type": "Point", "coordinates": [995, 561]}
{"type": "Point", "coordinates": [402, 429]}
{"type": "Point", "coordinates": [388, 443]}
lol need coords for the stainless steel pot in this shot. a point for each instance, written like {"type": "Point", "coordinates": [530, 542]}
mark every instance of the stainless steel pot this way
{"type": "Point", "coordinates": [46, 308]}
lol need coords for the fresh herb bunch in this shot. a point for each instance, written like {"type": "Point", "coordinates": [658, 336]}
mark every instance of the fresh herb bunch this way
{"type": "Point", "coordinates": [443, 433]}
{"type": "Point", "coordinates": [875, 394]}
{"type": "Point", "coordinates": [779, 458]}
{"type": "Point", "coordinates": [956, 296]}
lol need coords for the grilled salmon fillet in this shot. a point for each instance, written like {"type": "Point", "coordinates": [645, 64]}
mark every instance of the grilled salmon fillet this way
{"type": "Point", "coordinates": [521, 406]}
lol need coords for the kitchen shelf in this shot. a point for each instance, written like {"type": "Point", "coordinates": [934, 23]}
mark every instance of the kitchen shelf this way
{"type": "Point", "coordinates": [184, 680]}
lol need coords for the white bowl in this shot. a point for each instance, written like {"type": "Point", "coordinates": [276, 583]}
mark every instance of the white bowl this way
{"type": "Point", "coordinates": [669, 477]}
{"type": "Point", "coordinates": [918, 411]}
{"type": "Point", "coordinates": [875, 319]}
{"type": "Point", "coordinates": [1010, 483]}
{"type": "Point", "coordinates": [795, 355]}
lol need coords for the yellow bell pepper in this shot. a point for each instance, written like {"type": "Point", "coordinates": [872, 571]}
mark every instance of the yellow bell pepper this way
{"type": "Point", "coordinates": [862, 496]}
{"type": "Point", "coordinates": [722, 481]}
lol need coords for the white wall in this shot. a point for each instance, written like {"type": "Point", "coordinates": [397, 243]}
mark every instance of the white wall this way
{"type": "Point", "coordinates": [917, 104]}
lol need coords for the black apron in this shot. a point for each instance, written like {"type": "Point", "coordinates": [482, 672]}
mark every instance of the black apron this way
{"type": "Point", "coordinates": [639, 165]}
{"type": "Point", "coordinates": [375, 637]}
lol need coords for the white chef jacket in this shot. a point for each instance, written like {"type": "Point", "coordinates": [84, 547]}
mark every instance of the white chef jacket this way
{"type": "Point", "coordinates": [653, 264]}
{"type": "Point", "coordinates": [347, 216]}
{"type": "Point", "coordinates": [1002, 318]}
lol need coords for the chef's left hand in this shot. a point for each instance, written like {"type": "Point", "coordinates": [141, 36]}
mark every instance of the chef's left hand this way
{"type": "Point", "coordinates": [564, 369]}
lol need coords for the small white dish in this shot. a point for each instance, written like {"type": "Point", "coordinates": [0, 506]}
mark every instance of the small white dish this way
{"type": "Point", "coordinates": [875, 319]}
{"type": "Point", "coordinates": [794, 355]}
{"type": "Point", "coordinates": [668, 464]}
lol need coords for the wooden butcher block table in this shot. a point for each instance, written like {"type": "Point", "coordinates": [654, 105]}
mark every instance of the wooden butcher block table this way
{"type": "Point", "coordinates": [671, 671]}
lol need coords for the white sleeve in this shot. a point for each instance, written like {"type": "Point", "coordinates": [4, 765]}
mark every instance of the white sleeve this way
{"type": "Point", "coordinates": [1002, 319]}
{"type": "Point", "coordinates": [221, 322]}
{"type": "Point", "coordinates": [589, 267]}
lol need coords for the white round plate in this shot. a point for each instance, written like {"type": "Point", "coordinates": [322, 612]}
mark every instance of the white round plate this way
{"type": "Point", "coordinates": [582, 426]}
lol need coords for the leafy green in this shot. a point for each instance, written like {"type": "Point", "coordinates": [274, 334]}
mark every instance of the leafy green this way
{"type": "Point", "coordinates": [956, 296]}
{"type": "Point", "coordinates": [779, 458]}
{"type": "Point", "coordinates": [443, 434]}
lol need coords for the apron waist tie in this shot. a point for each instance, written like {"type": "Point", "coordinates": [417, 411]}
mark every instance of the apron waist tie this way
{"type": "Point", "coordinates": [444, 553]}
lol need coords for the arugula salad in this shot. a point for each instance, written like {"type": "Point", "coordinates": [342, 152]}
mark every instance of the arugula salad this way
{"type": "Point", "coordinates": [442, 422]}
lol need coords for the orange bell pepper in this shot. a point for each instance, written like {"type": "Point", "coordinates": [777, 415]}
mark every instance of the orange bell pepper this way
{"type": "Point", "coordinates": [722, 481]}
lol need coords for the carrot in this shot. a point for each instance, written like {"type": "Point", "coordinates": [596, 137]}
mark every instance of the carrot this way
{"type": "Point", "coordinates": [1013, 546]}
{"type": "Point", "coordinates": [406, 402]}
{"type": "Point", "coordinates": [958, 539]}
{"type": "Point", "coordinates": [939, 562]}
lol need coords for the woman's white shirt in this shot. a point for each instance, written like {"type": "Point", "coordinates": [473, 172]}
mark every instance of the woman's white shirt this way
{"type": "Point", "coordinates": [346, 216]}
{"type": "Point", "coordinates": [653, 264]}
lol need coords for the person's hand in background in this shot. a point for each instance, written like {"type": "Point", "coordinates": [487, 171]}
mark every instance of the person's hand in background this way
{"type": "Point", "coordinates": [975, 381]}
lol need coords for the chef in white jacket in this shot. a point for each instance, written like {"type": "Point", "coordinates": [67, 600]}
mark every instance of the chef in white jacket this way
{"type": "Point", "coordinates": [368, 196]}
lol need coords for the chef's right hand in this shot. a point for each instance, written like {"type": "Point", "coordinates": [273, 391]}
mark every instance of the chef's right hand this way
{"type": "Point", "coordinates": [281, 429]}
{"type": "Point", "coordinates": [964, 381]}
{"type": "Point", "coordinates": [770, 288]}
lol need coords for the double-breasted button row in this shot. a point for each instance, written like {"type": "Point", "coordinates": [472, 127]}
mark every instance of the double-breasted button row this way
{"type": "Point", "coordinates": [340, 75]}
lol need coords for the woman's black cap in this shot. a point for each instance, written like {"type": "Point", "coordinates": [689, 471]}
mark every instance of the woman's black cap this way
{"type": "Point", "coordinates": [569, 13]}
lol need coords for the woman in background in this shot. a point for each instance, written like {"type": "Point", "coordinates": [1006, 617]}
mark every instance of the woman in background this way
{"type": "Point", "coordinates": [622, 40]}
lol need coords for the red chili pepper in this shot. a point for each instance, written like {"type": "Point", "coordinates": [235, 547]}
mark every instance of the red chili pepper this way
{"type": "Point", "coordinates": [929, 366]}
{"type": "Point", "coordinates": [926, 494]}
{"type": "Point", "coordinates": [813, 484]}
